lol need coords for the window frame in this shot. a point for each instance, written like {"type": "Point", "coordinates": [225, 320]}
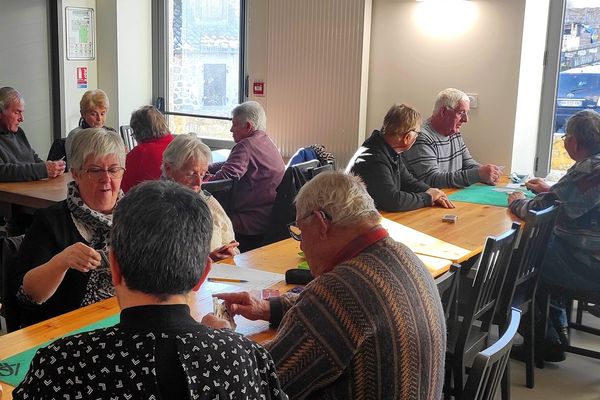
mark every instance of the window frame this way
{"type": "Point", "coordinates": [549, 87]}
{"type": "Point", "coordinates": [160, 77]}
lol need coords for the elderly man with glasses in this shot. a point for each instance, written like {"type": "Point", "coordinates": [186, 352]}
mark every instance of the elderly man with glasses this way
{"type": "Point", "coordinates": [439, 155]}
{"type": "Point", "coordinates": [371, 323]}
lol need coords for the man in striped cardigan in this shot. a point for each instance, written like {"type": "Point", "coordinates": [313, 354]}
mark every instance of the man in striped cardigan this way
{"type": "Point", "coordinates": [370, 325]}
{"type": "Point", "coordinates": [439, 156]}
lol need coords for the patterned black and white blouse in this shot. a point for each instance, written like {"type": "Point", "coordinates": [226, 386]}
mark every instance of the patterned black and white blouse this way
{"type": "Point", "coordinates": [155, 352]}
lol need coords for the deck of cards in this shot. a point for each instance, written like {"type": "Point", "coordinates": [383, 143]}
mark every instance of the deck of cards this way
{"type": "Point", "coordinates": [221, 311]}
{"type": "Point", "coordinates": [450, 218]}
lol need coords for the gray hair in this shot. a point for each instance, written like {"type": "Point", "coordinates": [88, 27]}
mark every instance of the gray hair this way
{"type": "Point", "coordinates": [251, 111]}
{"type": "Point", "coordinates": [343, 196]}
{"type": "Point", "coordinates": [585, 126]}
{"type": "Point", "coordinates": [183, 148]}
{"type": "Point", "coordinates": [9, 96]}
{"type": "Point", "coordinates": [161, 238]}
{"type": "Point", "coordinates": [97, 141]}
{"type": "Point", "coordinates": [148, 123]}
{"type": "Point", "coordinates": [449, 98]}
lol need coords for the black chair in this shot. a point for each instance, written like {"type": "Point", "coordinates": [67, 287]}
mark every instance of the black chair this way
{"type": "Point", "coordinates": [477, 305]}
{"type": "Point", "coordinates": [570, 297]}
{"type": "Point", "coordinates": [447, 286]}
{"type": "Point", "coordinates": [127, 136]}
{"type": "Point", "coordinates": [521, 283]}
{"type": "Point", "coordinates": [283, 211]}
{"type": "Point", "coordinates": [57, 151]}
{"type": "Point", "coordinates": [489, 365]}
{"type": "Point", "coordinates": [312, 172]}
{"type": "Point", "coordinates": [10, 310]}
{"type": "Point", "coordinates": [221, 190]}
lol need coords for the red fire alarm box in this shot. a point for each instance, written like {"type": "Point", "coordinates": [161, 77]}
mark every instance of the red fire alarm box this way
{"type": "Point", "coordinates": [258, 88]}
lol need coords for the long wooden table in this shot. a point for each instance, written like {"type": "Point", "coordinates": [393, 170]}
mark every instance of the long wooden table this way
{"type": "Point", "coordinates": [26, 197]}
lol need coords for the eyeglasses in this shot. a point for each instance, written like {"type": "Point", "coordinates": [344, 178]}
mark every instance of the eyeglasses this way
{"type": "Point", "coordinates": [194, 176]}
{"type": "Point", "coordinates": [462, 113]}
{"type": "Point", "coordinates": [294, 229]}
{"type": "Point", "coordinates": [564, 137]}
{"type": "Point", "coordinates": [412, 130]}
{"type": "Point", "coordinates": [97, 173]}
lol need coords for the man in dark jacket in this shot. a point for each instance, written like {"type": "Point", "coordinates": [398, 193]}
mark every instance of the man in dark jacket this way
{"type": "Point", "coordinates": [18, 161]}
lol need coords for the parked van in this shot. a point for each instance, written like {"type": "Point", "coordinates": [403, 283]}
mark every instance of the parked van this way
{"type": "Point", "coordinates": [578, 89]}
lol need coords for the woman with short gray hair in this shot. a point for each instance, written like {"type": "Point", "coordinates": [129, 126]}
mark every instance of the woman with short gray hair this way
{"type": "Point", "coordinates": [62, 263]}
{"type": "Point", "coordinates": [186, 161]}
{"type": "Point", "coordinates": [144, 161]}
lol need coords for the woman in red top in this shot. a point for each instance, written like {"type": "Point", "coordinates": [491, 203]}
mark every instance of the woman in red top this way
{"type": "Point", "coordinates": [143, 162]}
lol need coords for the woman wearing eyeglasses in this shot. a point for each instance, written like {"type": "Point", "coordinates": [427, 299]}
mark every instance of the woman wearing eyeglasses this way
{"type": "Point", "coordinates": [62, 263]}
{"type": "Point", "coordinates": [185, 161]}
{"type": "Point", "coordinates": [151, 131]}
{"type": "Point", "coordinates": [380, 166]}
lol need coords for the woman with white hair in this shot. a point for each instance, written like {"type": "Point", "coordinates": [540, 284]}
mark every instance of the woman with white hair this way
{"type": "Point", "coordinates": [62, 263]}
{"type": "Point", "coordinates": [185, 161]}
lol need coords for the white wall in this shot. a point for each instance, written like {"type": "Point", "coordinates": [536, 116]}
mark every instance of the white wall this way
{"type": "Point", "coordinates": [124, 56]}
{"type": "Point", "coordinates": [71, 93]}
{"type": "Point", "coordinates": [25, 65]}
{"type": "Point", "coordinates": [414, 56]}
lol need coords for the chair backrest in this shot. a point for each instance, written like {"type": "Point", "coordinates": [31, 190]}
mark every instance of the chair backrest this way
{"type": "Point", "coordinates": [481, 306]}
{"type": "Point", "coordinates": [221, 190]}
{"type": "Point", "coordinates": [305, 166]}
{"type": "Point", "coordinates": [127, 136]}
{"type": "Point", "coordinates": [447, 286]}
{"type": "Point", "coordinates": [283, 211]}
{"type": "Point", "coordinates": [526, 263]}
{"type": "Point", "coordinates": [489, 365]}
{"type": "Point", "coordinates": [312, 172]}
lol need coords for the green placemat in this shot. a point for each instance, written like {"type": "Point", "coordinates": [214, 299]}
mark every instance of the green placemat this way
{"type": "Point", "coordinates": [484, 194]}
{"type": "Point", "coordinates": [14, 369]}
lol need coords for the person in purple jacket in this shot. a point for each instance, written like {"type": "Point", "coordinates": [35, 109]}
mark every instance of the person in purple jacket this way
{"type": "Point", "coordinates": [257, 164]}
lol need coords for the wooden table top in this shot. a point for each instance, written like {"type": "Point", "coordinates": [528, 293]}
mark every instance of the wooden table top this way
{"type": "Point", "coordinates": [35, 194]}
{"type": "Point", "coordinates": [475, 223]}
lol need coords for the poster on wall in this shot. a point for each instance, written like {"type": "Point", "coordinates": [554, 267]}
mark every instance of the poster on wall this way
{"type": "Point", "coordinates": [80, 33]}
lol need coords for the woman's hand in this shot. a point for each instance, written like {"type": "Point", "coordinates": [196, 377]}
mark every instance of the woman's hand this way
{"type": "Point", "coordinates": [213, 322]}
{"type": "Point", "coordinates": [224, 252]}
{"type": "Point", "coordinates": [80, 257]}
{"type": "Point", "coordinates": [246, 305]}
{"type": "Point", "coordinates": [537, 185]}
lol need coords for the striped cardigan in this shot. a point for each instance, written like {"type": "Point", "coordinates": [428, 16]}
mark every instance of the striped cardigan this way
{"type": "Point", "coordinates": [372, 328]}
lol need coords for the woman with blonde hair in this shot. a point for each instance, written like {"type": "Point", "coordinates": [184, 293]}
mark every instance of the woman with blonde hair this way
{"type": "Point", "coordinates": [93, 107]}
{"type": "Point", "coordinates": [379, 164]}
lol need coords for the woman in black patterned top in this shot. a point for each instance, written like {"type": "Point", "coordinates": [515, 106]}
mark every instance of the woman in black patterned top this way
{"type": "Point", "coordinates": [159, 253]}
{"type": "Point", "coordinates": [62, 262]}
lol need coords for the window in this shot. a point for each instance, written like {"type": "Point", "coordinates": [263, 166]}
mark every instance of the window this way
{"type": "Point", "coordinates": [203, 65]}
{"type": "Point", "coordinates": [576, 77]}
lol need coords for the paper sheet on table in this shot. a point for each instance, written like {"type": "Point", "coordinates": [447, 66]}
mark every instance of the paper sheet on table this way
{"type": "Point", "coordinates": [421, 243]}
{"type": "Point", "coordinates": [257, 279]}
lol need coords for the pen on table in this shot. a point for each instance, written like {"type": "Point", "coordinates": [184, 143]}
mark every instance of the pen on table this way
{"type": "Point", "coordinates": [226, 280]}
